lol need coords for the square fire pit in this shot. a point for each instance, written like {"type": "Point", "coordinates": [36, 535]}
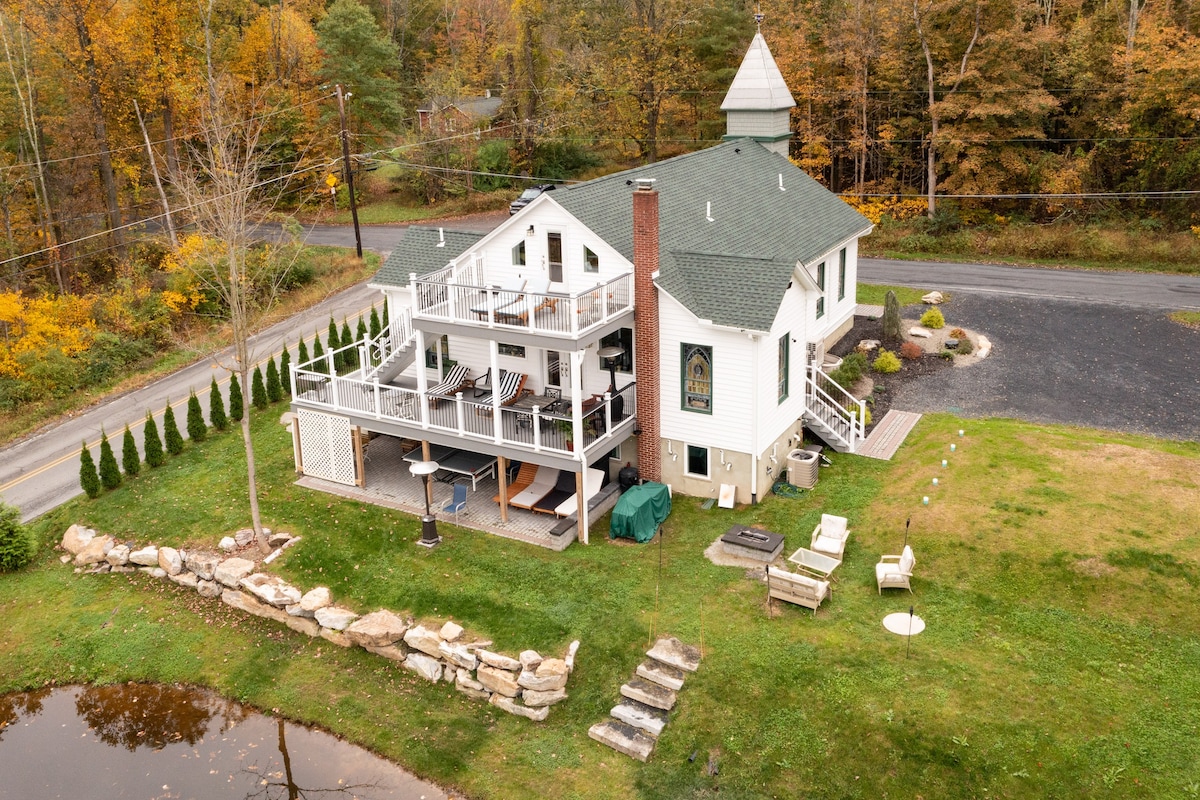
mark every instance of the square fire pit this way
{"type": "Point", "coordinates": [752, 543]}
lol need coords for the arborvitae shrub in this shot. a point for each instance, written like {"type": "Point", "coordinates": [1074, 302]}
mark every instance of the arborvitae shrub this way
{"type": "Point", "coordinates": [110, 473]}
{"type": "Point", "coordinates": [171, 431]}
{"type": "Point", "coordinates": [285, 373]}
{"type": "Point", "coordinates": [131, 462]}
{"type": "Point", "coordinates": [89, 480]}
{"type": "Point", "coordinates": [302, 357]}
{"type": "Point", "coordinates": [933, 319]}
{"type": "Point", "coordinates": [333, 341]}
{"type": "Point", "coordinates": [350, 356]}
{"type": "Point", "coordinates": [911, 350]}
{"type": "Point", "coordinates": [216, 407]}
{"type": "Point", "coordinates": [258, 390]}
{"type": "Point", "coordinates": [16, 542]}
{"type": "Point", "coordinates": [360, 335]}
{"type": "Point", "coordinates": [197, 430]}
{"type": "Point", "coordinates": [319, 363]}
{"type": "Point", "coordinates": [376, 326]}
{"type": "Point", "coordinates": [235, 398]}
{"type": "Point", "coordinates": [274, 388]}
{"type": "Point", "coordinates": [152, 444]}
{"type": "Point", "coordinates": [886, 362]}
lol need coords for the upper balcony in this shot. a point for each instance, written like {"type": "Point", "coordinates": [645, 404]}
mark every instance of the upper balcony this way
{"type": "Point", "coordinates": [460, 295]}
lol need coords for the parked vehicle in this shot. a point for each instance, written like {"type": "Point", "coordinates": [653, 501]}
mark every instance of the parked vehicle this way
{"type": "Point", "coordinates": [527, 197]}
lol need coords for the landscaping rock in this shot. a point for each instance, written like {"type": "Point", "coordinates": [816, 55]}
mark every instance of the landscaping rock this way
{"type": "Point", "coordinates": [392, 652]}
{"type": "Point", "coordinates": [675, 653]}
{"type": "Point", "coordinates": [170, 560]}
{"type": "Point", "coordinates": [271, 589]}
{"type": "Point", "coordinates": [451, 631]}
{"type": "Point", "coordinates": [208, 588]}
{"type": "Point", "coordinates": [427, 667]}
{"type": "Point", "coordinates": [513, 707]}
{"type": "Point", "coordinates": [919, 332]}
{"type": "Point", "coordinates": [145, 557]}
{"type": "Point", "coordinates": [154, 572]}
{"type": "Point", "coordinates": [570, 659]}
{"type": "Point", "coordinates": [185, 579]}
{"type": "Point", "coordinates": [203, 564]}
{"type": "Point", "coordinates": [474, 694]}
{"type": "Point", "coordinates": [538, 699]}
{"type": "Point", "coordinates": [498, 661]}
{"type": "Point", "coordinates": [124, 569]}
{"type": "Point", "coordinates": [529, 659]}
{"type": "Point", "coordinates": [867, 345]}
{"type": "Point", "coordinates": [95, 551]}
{"type": "Point", "coordinates": [641, 716]}
{"type": "Point", "coordinates": [421, 638]}
{"type": "Point", "coordinates": [336, 618]}
{"type": "Point", "coordinates": [315, 599]}
{"type": "Point", "coordinates": [296, 610]}
{"type": "Point", "coordinates": [498, 680]}
{"type": "Point", "coordinates": [457, 655]}
{"type": "Point", "coordinates": [227, 543]}
{"type": "Point", "coordinates": [100, 568]}
{"type": "Point", "coordinates": [649, 693]}
{"type": "Point", "coordinates": [118, 556]}
{"type": "Point", "coordinates": [665, 675]}
{"type": "Point", "coordinates": [76, 538]}
{"type": "Point", "coordinates": [278, 539]}
{"type": "Point", "coordinates": [551, 674]}
{"type": "Point", "coordinates": [624, 738]}
{"type": "Point", "coordinates": [230, 571]}
{"type": "Point", "coordinates": [933, 298]}
{"type": "Point", "coordinates": [951, 343]}
{"type": "Point", "coordinates": [244, 537]}
{"type": "Point", "coordinates": [464, 677]}
{"type": "Point", "coordinates": [244, 601]}
{"type": "Point", "coordinates": [449, 672]}
{"type": "Point", "coordinates": [308, 627]}
{"type": "Point", "coordinates": [336, 637]}
{"type": "Point", "coordinates": [378, 629]}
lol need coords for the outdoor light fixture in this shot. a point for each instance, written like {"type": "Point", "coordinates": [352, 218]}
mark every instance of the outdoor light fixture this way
{"type": "Point", "coordinates": [429, 534]}
{"type": "Point", "coordinates": [529, 232]}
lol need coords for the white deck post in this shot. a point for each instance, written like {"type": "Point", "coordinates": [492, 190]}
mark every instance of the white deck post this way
{"type": "Point", "coordinates": [494, 360]}
{"type": "Point", "coordinates": [422, 379]}
{"type": "Point", "coordinates": [577, 397]}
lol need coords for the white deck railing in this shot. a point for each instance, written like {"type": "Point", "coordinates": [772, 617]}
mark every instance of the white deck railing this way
{"type": "Point", "coordinates": [841, 411]}
{"type": "Point", "coordinates": [460, 296]}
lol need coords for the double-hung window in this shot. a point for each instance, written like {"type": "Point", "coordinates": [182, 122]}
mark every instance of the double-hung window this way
{"type": "Point", "coordinates": [821, 286]}
{"type": "Point", "coordinates": [784, 351]}
{"type": "Point", "coordinates": [842, 274]}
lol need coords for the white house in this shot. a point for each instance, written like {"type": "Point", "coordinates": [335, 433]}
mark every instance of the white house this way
{"type": "Point", "coordinates": [673, 316]}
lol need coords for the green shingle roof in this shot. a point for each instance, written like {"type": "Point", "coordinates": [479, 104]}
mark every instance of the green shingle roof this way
{"type": "Point", "coordinates": [418, 252]}
{"type": "Point", "coordinates": [755, 227]}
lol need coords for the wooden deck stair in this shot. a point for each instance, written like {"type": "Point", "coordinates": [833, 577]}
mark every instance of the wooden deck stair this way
{"type": "Point", "coordinates": [646, 700]}
{"type": "Point", "coordinates": [886, 437]}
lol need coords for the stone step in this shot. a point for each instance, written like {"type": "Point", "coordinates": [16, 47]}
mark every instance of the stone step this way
{"type": "Point", "coordinates": [655, 671]}
{"type": "Point", "coordinates": [649, 693]}
{"type": "Point", "coordinates": [623, 738]}
{"type": "Point", "coordinates": [675, 653]}
{"type": "Point", "coordinates": [641, 716]}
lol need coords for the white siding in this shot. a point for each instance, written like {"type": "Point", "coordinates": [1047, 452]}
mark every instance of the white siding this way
{"type": "Point", "coordinates": [730, 424]}
{"type": "Point", "coordinates": [836, 311]}
{"type": "Point", "coordinates": [774, 417]}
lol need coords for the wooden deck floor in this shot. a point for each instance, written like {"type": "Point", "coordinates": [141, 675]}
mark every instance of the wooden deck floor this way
{"type": "Point", "coordinates": [886, 437]}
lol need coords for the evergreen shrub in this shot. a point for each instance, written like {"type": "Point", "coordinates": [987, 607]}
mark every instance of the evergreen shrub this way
{"type": "Point", "coordinates": [171, 431]}
{"type": "Point", "coordinates": [131, 462]}
{"type": "Point", "coordinates": [16, 542]}
{"type": "Point", "coordinates": [887, 362]}
{"type": "Point", "coordinates": [152, 444]}
{"type": "Point", "coordinates": [933, 319]}
{"type": "Point", "coordinates": [197, 430]}
{"type": "Point", "coordinates": [89, 479]}
{"type": "Point", "coordinates": [236, 401]}
{"type": "Point", "coordinates": [110, 473]}
{"type": "Point", "coordinates": [258, 391]}
{"type": "Point", "coordinates": [216, 408]}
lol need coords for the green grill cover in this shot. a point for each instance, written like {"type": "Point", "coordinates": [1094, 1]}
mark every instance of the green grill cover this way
{"type": "Point", "coordinates": [640, 511]}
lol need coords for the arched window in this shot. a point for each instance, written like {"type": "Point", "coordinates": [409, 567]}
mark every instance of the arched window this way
{"type": "Point", "coordinates": [697, 378]}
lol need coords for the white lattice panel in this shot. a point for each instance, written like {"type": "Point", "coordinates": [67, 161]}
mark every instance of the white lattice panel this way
{"type": "Point", "coordinates": [326, 446]}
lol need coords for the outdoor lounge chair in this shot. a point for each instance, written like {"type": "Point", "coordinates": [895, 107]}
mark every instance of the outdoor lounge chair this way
{"type": "Point", "coordinates": [829, 537]}
{"type": "Point", "coordinates": [593, 480]}
{"type": "Point", "coordinates": [524, 477]}
{"type": "Point", "coordinates": [799, 589]}
{"type": "Point", "coordinates": [494, 300]}
{"type": "Point", "coordinates": [509, 389]}
{"type": "Point", "coordinates": [563, 488]}
{"type": "Point", "coordinates": [895, 572]}
{"type": "Point", "coordinates": [456, 380]}
{"type": "Point", "coordinates": [519, 309]}
{"type": "Point", "coordinates": [543, 484]}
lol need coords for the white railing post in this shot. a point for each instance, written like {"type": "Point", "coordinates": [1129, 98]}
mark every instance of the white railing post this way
{"type": "Point", "coordinates": [333, 384]}
{"type": "Point", "coordinates": [378, 402]}
{"type": "Point", "coordinates": [460, 415]}
{"type": "Point", "coordinates": [537, 427]}
{"type": "Point", "coordinates": [607, 413]}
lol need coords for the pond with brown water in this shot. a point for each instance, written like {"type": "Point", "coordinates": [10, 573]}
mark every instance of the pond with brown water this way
{"type": "Point", "coordinates": [158, 742]}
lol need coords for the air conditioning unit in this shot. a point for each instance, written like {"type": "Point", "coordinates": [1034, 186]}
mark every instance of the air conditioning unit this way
{"type": "Point", "coordinates": [815, 352]}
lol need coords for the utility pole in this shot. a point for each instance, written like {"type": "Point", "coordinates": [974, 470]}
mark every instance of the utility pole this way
{"type": "Point", "coordinates": [346, 167]}
{"type": "Point", "coordinates": [157, 180]}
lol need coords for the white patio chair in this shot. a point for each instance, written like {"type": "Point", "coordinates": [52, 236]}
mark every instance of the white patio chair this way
{"type": "Point", "coordinates": [895, 572]}
{"type": "Point", "coordinates": [829, 537]}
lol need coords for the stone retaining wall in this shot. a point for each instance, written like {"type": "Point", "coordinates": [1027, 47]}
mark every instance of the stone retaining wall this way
{"type": "Point", "coordinates": [526, 685]}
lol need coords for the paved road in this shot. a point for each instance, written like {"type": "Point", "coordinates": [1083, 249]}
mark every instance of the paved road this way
{"type": "Point", "coordinates": [42, 471]}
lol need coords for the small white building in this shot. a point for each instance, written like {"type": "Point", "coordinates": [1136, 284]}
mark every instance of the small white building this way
{"type": "Point", "coordinates": [674, 316]}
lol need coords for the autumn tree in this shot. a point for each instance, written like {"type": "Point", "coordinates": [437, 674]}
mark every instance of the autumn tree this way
{"type": "Point", "coordinates": [360, 57]}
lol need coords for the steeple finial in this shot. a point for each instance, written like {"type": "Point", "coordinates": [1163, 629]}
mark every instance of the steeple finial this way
{"type": "Point", "coordinates": [758, 16]}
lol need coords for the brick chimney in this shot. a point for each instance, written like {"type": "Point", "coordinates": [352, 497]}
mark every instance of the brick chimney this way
{"type": "Point", "coordinates": [645, 327]}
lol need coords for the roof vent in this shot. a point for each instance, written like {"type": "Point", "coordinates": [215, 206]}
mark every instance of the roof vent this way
{"type": "Point", "coordinates": [441, 237]}
{"type": "Point", "coordinates": [645, 184]}
{"type": "Point", "coordinates": [708, 212]}
{"type": "Point", "coordinates": [781, 183]}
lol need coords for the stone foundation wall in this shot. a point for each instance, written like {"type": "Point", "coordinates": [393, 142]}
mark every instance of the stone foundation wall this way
{"type": "Point", "coordinates": [525, 685]}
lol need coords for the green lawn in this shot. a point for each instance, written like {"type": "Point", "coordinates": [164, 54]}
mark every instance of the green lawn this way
{"type": "Point", "coordinates": [1056, 568]}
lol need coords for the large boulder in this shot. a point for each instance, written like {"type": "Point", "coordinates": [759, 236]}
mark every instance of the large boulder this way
{"type": "Point", "coordinates": [271, 589]}
{"type": "Point", "coordinates": [203, 564]}
{"type": "Point", "coordinates": [421, 638]}
{"type": "Point", "coordinates": [529, 659]}
{"type": "Point", "coordinates": [498, 661]}
{"type": "Point", "coordinates": [378, 629]}
{"type": "Point", "coordinates": [451, 631]}
{"type": "Point", "coordinates": [498, 680]}
{"type": "Point", "coordinates": [208, 588]}
{"type": "Point", "coordinates": [316, 598]}
{"type": "Point", "coordinates": [231, 571]}
{"type": "Point", "coordinates": [187, 580]}
{"type": "Point", "coordinates": [170, 560]}
{"type": "Point", "coordinates": [336, 618]}
{"type": "Point", "coordinates": [457, 655]}
{"type": "Point", "coordinates": [551, 674]}
{"type": "Point", "coordinates": [95, 551]}
{"type": "Point", "coordinates": [145, 557]}
{"type": "Point", "coordinates": [118, 556]}
{"type": "Point", "coordinates": [538, 699]}
{"type": "Point", "coordinates": [76, 538]}
{"type": "Point", "coordinates": [427, 667]}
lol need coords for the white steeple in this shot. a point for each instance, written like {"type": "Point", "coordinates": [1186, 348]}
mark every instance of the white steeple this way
{"type": "Point", "coordinates": [758, 104]}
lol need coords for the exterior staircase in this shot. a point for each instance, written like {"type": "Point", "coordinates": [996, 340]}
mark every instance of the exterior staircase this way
{"type": "Point", "coordinates": [646, 700]}
{"type": "Point", "coordinates": [391, 352]}
{"type": "Point", "coordinates": [832, 413]}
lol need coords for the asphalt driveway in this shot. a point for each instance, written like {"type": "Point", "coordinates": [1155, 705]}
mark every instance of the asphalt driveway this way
{"type": "Point", "coordinates": [1103, 366]}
